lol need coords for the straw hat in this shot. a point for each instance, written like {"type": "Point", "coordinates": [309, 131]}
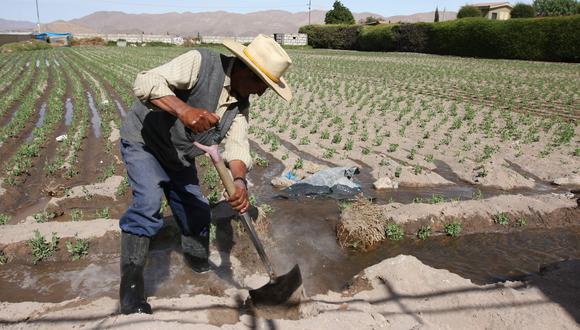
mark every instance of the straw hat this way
{"type": "Point", "coordinates": [267, 59]}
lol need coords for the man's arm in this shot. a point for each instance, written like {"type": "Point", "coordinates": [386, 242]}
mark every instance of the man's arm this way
{"type": "Point", "coordinates": [198, 120]}
{"type": "Point", "coordinates": [239, 201]}
{"type": "Point", "coordinates": [157, 85]}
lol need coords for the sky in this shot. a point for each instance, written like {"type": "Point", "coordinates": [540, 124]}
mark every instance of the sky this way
{"type": "Point", "coordinates": [52, 10]}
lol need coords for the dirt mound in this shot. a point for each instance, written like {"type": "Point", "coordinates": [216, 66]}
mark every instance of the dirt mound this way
{"type": "Point", "coordinates": [363, 224]}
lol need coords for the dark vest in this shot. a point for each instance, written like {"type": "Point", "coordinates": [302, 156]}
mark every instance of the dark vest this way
{"type": "Point", "coordinates": [165, 135]}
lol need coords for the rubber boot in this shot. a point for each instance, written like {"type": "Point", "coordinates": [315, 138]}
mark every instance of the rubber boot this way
{"type": "Point", "coordinates": [134, 251]}
{"type": "Point", "coordinates": [196, 252]}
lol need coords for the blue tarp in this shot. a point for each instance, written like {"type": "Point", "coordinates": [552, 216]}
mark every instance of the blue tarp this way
{"type": "Point", "coordinates": [46, 35]}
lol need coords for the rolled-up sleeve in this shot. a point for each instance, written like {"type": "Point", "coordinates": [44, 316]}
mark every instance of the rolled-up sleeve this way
{"type": "Point", "coordinates": [236, 143]}
{"type": "Point", "coordinates": [179, 73]}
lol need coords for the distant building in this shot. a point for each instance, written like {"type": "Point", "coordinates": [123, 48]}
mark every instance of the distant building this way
{"type": "Point", "coordinates": [291, 39]}
{"type": "Point", "coordinates": [55, 39]}
{"type": "Point", "coordinates": [495, 10]}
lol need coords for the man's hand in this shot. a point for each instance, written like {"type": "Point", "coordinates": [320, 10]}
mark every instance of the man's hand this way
{"type": "Point", "coordinates": [198, 120]}
{"type": "Point", "coordinates": [239, 201]}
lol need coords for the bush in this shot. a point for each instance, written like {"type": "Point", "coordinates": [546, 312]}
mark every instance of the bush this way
{"type": "Point", "coordinates": [522, 10]}
{"type": "Point", "coordinates": [469, 11]}
{"type": "Point", "coordinates": [376, 38]}
{"type": "Point", "coordinates": [412, 37]}
{"type": "Point", "coordinates": [24, 46]}
{"type": "Point", "coordinates": [332, 36]}
{"type": "Point", "coordinates": [555, 7]}
{"type": "Point", "coordinates": [551, 39]}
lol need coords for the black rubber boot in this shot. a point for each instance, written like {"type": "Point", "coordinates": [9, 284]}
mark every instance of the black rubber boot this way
{"type": "Point", "coordinates": [134, 251]}
{"type": "Point", "coordinates": [196, 252]}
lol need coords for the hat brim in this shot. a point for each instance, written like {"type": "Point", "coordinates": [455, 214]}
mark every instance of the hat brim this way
{"type": "Point", "coordinates": [281, 88]}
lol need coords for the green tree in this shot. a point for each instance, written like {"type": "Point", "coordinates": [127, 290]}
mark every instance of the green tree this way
{"type": "Point", "coordinates": [371, 20]}
{"type": "Point", "coordinates": [469, 11]}
{"type": "Point", "coordinates": [522, 10]}
{"type": "Point", "coordinates": [555, 7]}
{"type": "Point", "coordinates": [339, 14]}
{"type": "Point", "coordinates": [436, 14]}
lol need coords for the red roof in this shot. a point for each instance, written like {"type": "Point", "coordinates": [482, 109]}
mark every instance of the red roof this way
{"type": "Point", "coordinates": [491, 4]}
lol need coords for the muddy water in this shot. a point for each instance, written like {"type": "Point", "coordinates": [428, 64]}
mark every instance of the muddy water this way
{"type": "Point", "coordinates": [304, 232]}
{"type": "Point", "coordinates": [120, 108]}
{"type": "Point", "coordinates": [95, 117]}
{"type": "Point", "coordinates": [39, 122]}
{"type": "Point", "coordinates": [68, 115]}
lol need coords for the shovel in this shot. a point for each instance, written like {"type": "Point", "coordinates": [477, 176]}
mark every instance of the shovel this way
{"type": "Point", "coordinates": [281, 289]}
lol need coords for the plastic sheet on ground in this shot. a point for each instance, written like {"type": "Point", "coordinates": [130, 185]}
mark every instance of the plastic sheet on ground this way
{"type": "Point", "coordinates": [337, 182]}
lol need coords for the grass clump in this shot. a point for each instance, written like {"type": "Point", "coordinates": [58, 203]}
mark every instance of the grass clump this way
{"type": "Point", "coordinates": [4, 218]}
{"type": "Point", "coordinates": [424, 232]}
{"type": "Point", "coordinates": [453, 228]}
{"type": "Point", "coordinates": [40, 248]}
{"type": "Point", "coordinates": [502, 219]}
{"type": "Point", "coordinates": [394, 232]}
{"type": "Point", "coordinates": [78, 249]}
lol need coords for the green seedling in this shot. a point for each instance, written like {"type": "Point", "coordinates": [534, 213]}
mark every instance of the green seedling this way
{"type": "Point", "coordinates": [40, 248]}
{"type": "Point", "coordinates": [78, 249]}
{"type": "Point", "coordinates": [453, 228]}
{"type": "Point", "coordinates": [76, 215]}
{"type": "Point", "coordinates": [521, 222]}
{"type": "Point", "coordinates": [4, 218]}
{"type": "Point", "coordinates": [394, 232]}
{"type": "Point", "coordinates": [424, 232]}
{"type": "Point", "coordinates": [502, 219]}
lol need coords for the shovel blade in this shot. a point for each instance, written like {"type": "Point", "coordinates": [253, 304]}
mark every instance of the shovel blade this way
{"type": "Point", "coordinates": [282, 289]}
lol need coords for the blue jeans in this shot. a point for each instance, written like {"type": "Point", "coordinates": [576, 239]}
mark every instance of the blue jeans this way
{"type": "Point", "coordinates": [150, 180]}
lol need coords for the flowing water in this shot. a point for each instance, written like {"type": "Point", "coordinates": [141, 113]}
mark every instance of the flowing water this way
{"type": "Point", "coordinates": [68, 115]}
{"type": "Point", "coordinates": [95, 117]}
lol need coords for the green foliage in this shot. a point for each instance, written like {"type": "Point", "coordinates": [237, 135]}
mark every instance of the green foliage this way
{"type": "Point", "coordinates": [502, 219]}
{"type": "Point", "coordinates": [4, 218]}
{"type": "Point", "coordinates": [469, 11]}
{"type": "Point", "coordinates": [3, 258]}
{"type": "Point", "coordinates": [76, 215]}
{"type": "Point", "coordinates": [424, 232]}
{"type": "Point", "coordinates": [436, 19]}
{"type": "Point", "coordinates": [521, 222]}
{"type": "Point", "coordinates": [523, 10]}
{"type": "Point", "coordinates": [332, 36]}
{"type": "Point", "coordinates": [412, 37]}
{"type": "Point", "coordinates": [40, 248]}
{"type": "Point", "coordinates": [339, 14]}
{"type": "Point", "coordinates": [552, 39]}
{"type": "Point", "coordinates": [394, 232]}
{"type": "Point", "coordinates": [555, 7]}
{"type": "Point", "coordinates": [453, 228]}
{"type": "Point", "coordinates": [376, 38]}
{"type": "Point", "coordinates": [298, 164]}
{"type": "Point", "coordinates": [104, 213]}
{"type": "Point", "coordinates": [78, 249]}
{"type": "Point", "coordinates": [261, 161]}
{"type": "Point", "coordinates": [24, 46]}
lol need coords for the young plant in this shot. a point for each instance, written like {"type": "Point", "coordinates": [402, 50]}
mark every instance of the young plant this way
{"type": "Point", "coordinates": [453, 228]}
{"type": "Point", "coordinates": [4, 218]}
{"type": "Point", "coordinates": [78, 249]}
{"type": "Point", "coordinates": [394, 232]}
{"type": "Point", "coordinates": [40, 248]}
{"type": "Point", "coordinates": [502, 219]}
{"type": "Point", "coordinates": [424, 232]}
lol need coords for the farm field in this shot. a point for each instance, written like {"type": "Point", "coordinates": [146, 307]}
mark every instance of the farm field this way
{"type": "Point", "coordinates": [488, 149]}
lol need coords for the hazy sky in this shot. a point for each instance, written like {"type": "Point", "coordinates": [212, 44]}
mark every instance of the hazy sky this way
{"type": "Point", "coordinates": [52, 10]}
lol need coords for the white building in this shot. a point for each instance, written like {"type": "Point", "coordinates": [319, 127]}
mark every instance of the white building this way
{"type": "Point", "coordinates": [495, 10]}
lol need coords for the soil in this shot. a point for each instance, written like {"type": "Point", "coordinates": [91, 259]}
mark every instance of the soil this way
{"type": "Point", "coordinates": [403, 293]}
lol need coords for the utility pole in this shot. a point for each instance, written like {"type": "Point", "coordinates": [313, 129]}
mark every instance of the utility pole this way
{"type": "Point", "coordinates": [37, 18]}
{"type": "Point", "coordinates": [309, 6]}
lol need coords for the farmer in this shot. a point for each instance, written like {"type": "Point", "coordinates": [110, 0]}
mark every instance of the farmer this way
{"type": "Point", "coordinates": [203, 96]}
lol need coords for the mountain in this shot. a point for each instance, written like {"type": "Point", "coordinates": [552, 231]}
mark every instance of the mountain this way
{"type": "Point", "coordinates": [218, 23]}
{"type": "Point", "coordinates": [9, 25]}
